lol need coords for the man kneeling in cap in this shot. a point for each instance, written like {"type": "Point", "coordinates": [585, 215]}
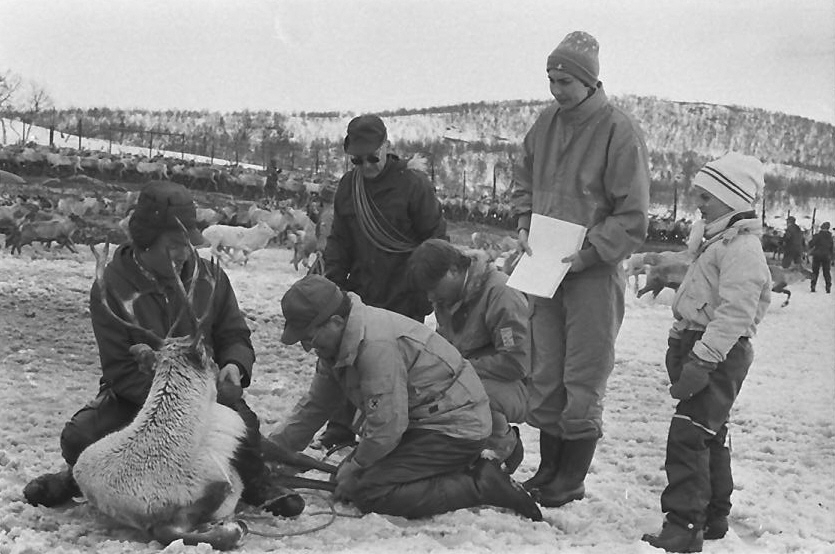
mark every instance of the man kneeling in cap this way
{"type": "Point", "coordinates": [426, 414]}
{"type": "Point", "coordinates": [163, 231]}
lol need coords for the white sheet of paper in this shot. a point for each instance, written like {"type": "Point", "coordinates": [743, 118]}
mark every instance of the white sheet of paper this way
{"type": "Point", "coordinates": [551, 240]}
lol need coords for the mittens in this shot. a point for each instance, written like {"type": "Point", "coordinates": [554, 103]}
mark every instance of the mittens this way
{"type": "Point", "coordinates": [695, 375]}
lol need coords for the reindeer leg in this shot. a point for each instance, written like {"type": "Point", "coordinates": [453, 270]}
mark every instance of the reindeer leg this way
{"type": "Point", "coordinates": [224, 535]}
{"type": "Point", "coordinates": [788, 294]}
{"type": "Point", "coordinates": [274, 453]}
{"type": "Point", "coordinates": [296, 482]}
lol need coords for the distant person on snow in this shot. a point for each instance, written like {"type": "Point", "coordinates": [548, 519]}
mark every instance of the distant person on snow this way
{"type": "Point", "coordinates": [721, 300]}
{"type": "Point", "coordinates": [793, 243]}
{"type": "Point", "coordinates": [382, 210]}
{"type": "Point", "coordinates": [141, 269]}
{"type": "Point", "coordinates": [425, 414]}
{"type": "Point", "coordinates": [820, 247]}
{"type": "Point", "coordinates": [583, 161]}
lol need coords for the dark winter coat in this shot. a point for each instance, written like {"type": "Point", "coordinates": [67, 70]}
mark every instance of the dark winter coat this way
{"type": "Point", "coordinates": [793, 239]}
{"type": "Point", "coordinates": [407, 200]}
{"type": "Point", "coordinates": [490, 325]}
{"type": "Point", "coordinates": [821, 245]}
{"type": "Point", "coordinates": [156, 308]}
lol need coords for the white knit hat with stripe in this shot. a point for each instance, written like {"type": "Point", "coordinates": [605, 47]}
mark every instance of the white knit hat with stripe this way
{"type": "Point", "coordinates": [735, 179]}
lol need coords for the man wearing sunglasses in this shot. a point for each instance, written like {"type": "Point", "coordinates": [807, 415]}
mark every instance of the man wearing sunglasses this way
{"type": "Point", "coordinates": [383, 209]}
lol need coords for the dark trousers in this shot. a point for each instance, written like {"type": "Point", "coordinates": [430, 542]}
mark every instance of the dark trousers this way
{"type": "Point", "coordinates": [821, 264]}
{"type": "Point", "coordinates": [423, 476]}
{"type": "Point", "coordinates": [107, 413]}
{"type": "Point", "coordinates": [698, 464]}
{"type": "Point", "coordinates": [791, 257]}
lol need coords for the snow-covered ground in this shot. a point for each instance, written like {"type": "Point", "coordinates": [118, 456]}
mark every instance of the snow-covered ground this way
{"type": "Point", "coordinates": [782, 430]}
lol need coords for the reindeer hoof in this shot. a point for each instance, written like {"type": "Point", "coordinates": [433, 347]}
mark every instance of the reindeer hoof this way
{"type": "Point", "coordinates": [220, 536]}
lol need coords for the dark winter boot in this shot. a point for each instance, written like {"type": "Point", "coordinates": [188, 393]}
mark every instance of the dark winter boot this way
{"type": "Point", "coordinates": [569, 484]}
{"type": "Point", "coordinates": [281, 501]}
{"type": "Point", "coordinates": [549, 457]}
{"type": "Point", "coordinates": [676, 537]}
{"type": "Point", "coordinates": [715, 528]}
{"type": "Point", "coordinates": [512, 462]}
{"type": "Point", "coordinates": [52, 489]}
{"type": "Point", "coordinates": [496, 488]}
{"type": "Point", "coordinates": [262, 488]}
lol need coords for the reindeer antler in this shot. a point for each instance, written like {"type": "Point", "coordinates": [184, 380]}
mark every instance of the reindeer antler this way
{"type": "Point", "coordinates": [187, 296]}
{"type": "Point", "coordinates": [127, 304]}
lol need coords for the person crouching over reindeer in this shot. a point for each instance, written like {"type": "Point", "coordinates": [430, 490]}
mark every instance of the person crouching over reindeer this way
{"type": "Point", "coordinates": [489, 323]}
{"type": "Point", "coordinates": [141, 285]}
{"type": "Point", "coordinates": [717, 308]}
{"type": "Point", "coordinates": [426, 415]}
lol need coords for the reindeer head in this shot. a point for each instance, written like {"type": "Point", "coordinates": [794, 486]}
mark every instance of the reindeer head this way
{"type": "Point", "coordinates": [155, 349]}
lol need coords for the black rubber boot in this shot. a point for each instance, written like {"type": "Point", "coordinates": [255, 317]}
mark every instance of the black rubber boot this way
{"type": "Point", "coordinates": [51, 489]}
{"type": "Point", "coordinates": [264, 490]}
{"type": "Point", "coordinates": [549, 458]}
{"type": "Point", "coordinates": [716, 528]}
{"type": "Point", "coordinates": [496, 488]}
{"type": "Point", "coordinates": [569, 484]}
{"type": "Point", "coordinates": [516, 456]}
{"type": "Point", "coordinates": [677, 537]}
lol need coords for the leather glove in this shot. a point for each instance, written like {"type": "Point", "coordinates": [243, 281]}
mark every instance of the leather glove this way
{"type": "Point", "coordinates": [228, 393]}
{"type": "Point", "coordinates": [145, 357]}
{"type": "Point", "coordinates": [346, 480]}
{"type": "Point", "coordinates": [229, 389]}
{"type": "Point", "coordinates": [695, 375]}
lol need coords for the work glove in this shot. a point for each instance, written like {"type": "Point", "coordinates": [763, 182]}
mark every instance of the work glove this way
{"type": "Point", "coordinates": [673, 359]}
{"type": "Point", "coordinates": [145, 357]}
{"type": "Point", "coordinates": [695, 375]}
{"type": "Point", "coordinates": [346, 480]}
{"type": "Point", "coordinates": [229, 389]}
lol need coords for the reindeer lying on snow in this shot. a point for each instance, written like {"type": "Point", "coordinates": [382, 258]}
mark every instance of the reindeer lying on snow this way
{"type": "Point", "coordinates": [170, 472]}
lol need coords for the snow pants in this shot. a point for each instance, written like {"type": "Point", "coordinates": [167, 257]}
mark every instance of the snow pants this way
{"type": "Point", "coordinates": [698, 464]}
{"type": "Point", "coordinates": [573, 353]}
{"type": "Point", "coordinates": [821, 264]}
{"type": "Point", "coordinates": [423, 476]}
{"type": "Point", "coordinates": [107, 413]}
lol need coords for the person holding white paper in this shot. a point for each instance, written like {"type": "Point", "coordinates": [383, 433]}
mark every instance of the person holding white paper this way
{"type": "Point", "coordinates": [585, 162]}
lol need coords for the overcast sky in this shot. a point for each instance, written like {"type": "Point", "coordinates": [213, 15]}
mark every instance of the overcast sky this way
{"type": "Point", "coordinates": [366, 55]}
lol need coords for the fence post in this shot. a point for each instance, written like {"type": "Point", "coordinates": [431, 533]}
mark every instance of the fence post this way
{"type": "Point", "coordinates": [675, 200]}
{"type": "Point", "coordinates": [79, 134]}
{"type": "Point", "coordinates": [151, 144]}
{"type": "Point", "coordinates": [51, 135]}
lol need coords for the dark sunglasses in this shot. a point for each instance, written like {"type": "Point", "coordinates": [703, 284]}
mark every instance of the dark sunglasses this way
{"type": "Point", "coordinates": [371, 158]}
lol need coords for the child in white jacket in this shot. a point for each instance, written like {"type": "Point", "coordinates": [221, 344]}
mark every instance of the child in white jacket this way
{"type": "Point", "coordinates": [723, 297]}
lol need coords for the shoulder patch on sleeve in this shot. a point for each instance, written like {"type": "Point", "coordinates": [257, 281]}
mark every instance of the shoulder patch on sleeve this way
{"type": "Point", "coordinates": [507, 336]}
